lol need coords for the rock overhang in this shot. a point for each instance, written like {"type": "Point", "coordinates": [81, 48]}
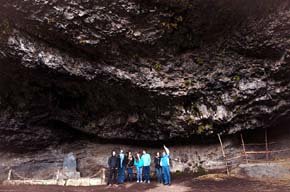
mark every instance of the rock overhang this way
{"type": "Point", "coordinates": [183, 68]}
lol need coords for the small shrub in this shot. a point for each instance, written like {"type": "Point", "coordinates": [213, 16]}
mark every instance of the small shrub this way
{"type": "Point", "coordinates": [188, 82]}
{"type": "Point", "coordinates": [5, 29]}
{"type": "Point", "coordinates": [157, 66]}
{"type": "Point", "coordinates": [200, 171]}
{"type": "Point", "coordinates": [199, 61]}
{"type": "Point", "coordinates": [203, 128]}
{"type": "Point", "coordinates": [237, 78]}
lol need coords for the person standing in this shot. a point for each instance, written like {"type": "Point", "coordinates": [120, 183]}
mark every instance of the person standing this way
{"type": "Point", "coordinates": [138, 162]}
{"type": "Point", "coordinates": [146, 169]}
{"type": "Point", "coordinates": [122, 167]}
{"type": "Point", "coordinates": [164, 162]}
{"type": "Point", "coordinates": [113, 168]}
{"type": "Point", "coordinates": [130, 166]}
{"type": "Point", "coordinates": [158, 168]}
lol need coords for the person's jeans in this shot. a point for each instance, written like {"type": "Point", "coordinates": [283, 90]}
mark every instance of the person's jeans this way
{"type": "Point", "coordinates": [130, 174]}
{"type": "Point", "coordinates": [112, 176]}
{"type": "Point", "coordinates": [139, 174]}
{"type": "Point", "coordinates": [146, 172]}
{"type": "Point", "coordinates": [121, 175]}
{"type": "Point", "coordinates": [166, 175]}
{"type": "Point", "coordinates": [159, 174]}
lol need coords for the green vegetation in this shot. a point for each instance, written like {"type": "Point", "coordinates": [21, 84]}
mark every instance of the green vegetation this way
{"type": "Point", "coordinates": [173, 25]}
{"type": "Point", "coordinates": [178, 172]}
{"type": "Point", "coordinates": [235, 97]}
{"type": "Point", "coordinates": [200, 171]}
{"type": "Point", "coordinates": [169, 25]}
{"type": "Point", "coordinates": [219, 100]}
{"type": "Point", "coordinates": [190, 120]}
{"type": "Point", "coordinates": [5, 29]}
{"type": "Point", "coordinates": [188, 82]}
{"type": "Point", "coordinates": [237, 78]}
{"type": "Point", "coordinates": [50, 20]}
{"type": "Point", "coordinates": [199, 61]}
{"type": "Point", "coordinates": [180, 5]}
{"type": "Point", "coordinates": [203, 128]}
{"type": "Point", "coordinates": [157, 66]}
{"type": "Point", "coordinates": [194, 109]}
{"type": "Point", "coordinates": [82, 41]}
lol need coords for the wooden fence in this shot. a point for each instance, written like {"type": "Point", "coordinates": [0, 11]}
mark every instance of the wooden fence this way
{"type": "Point", "coordinates": [248, 155]}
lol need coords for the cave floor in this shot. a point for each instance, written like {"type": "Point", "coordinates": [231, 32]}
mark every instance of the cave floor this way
{"type": "Point", "coordinates": [180, 184]}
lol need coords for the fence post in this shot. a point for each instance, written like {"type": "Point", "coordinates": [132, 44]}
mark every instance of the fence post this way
{"type": "Point", "coordinates": [9, 175]}
{"type": "Point", "coordinates": [266, 144]}
{"type": "Point", "coordinates": [244, 148]}
{"type": "Point", "coordinates": [57, 174]}
{"type": "Point", "coordinates": [103, 177]}
{"type": "Point", "coordinates": [224, 155]}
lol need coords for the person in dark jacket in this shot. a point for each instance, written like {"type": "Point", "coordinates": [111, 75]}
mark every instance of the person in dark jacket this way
{"type": "Point", "coordinates": [158, 168]}
{"type": "Point", "coordinates": [113, 163]}
{"type": "Point", "coordinates": [130, 166]}
{"type": "Point", "coordinates": [122, 167]}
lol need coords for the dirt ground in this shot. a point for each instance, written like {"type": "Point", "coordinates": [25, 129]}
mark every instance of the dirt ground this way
{"type": "Point", "coordinates": [180, 184]}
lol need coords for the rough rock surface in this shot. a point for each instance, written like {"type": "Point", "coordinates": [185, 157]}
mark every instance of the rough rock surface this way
{"type": "Point", "coordinates": [149, 70]}
{"type": "Point", "coordinates": [91, 157]}
{"type": "Point", "coordinates": [265, 170]}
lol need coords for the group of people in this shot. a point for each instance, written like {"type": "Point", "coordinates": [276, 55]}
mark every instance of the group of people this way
{"type": "Point", "coordinates": [122, 166]}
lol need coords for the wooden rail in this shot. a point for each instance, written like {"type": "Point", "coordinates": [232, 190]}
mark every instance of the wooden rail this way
{"type": "Point", "coordinates": [257, 144]}
{"type": "Point", "coordinates": [267, 152]}
{"type": "Point", "coordinates": [246, 153]}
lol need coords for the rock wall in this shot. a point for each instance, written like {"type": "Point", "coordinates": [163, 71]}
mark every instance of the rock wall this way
{"type": "Point", "coordinates": [91, 157]}
{"type": "Point", "coordinates": [197, 159]}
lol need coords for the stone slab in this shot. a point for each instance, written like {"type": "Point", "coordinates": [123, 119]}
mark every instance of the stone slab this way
{"type": "Point", "coordinates": [69, 182]}
{"type": "Point", "coordinates": [269, 170]}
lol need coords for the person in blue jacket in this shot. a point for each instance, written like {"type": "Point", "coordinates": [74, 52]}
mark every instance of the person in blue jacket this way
{"type": "Point", "coordinates": [122, 167]}
{"type": "Point", "coordinates": [138, 162]}
{"type": "Point", "coordinates": [146, 169]}
{"type": "Point", "coordinates": [164, 162]}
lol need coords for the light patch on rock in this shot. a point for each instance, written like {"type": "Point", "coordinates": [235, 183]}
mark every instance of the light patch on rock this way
{"type": "Point", "coordinates": [263, 98]}
{"type": "Point", "coordinates": [226, 98]}
{"type": "Point", "coordinates": [68, 15]}
{"type": "Point", "coordinates": [133, 118]}
{"type": "Point", "coordinates": [251, 85]}
{"type": "Point", "coordinates": [52, 61]}
{"type": "Point", "coordinates": [212, 164]}
{"type": "Point", "coordinates": [204, 111]}
{"type": "Point", "coordinates": [137, 33]}
{"type": "Point", "coordinates": [221, 113]}
{"type": "Point", "coordinates": [22, 44]}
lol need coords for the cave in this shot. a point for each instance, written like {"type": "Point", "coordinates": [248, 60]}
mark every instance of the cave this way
{"type": "Point", "coordinates": [91, 76]}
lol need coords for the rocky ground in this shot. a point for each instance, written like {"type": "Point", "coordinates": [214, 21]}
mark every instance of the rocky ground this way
{"type": "Point", "coordinates": [180, 183]}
